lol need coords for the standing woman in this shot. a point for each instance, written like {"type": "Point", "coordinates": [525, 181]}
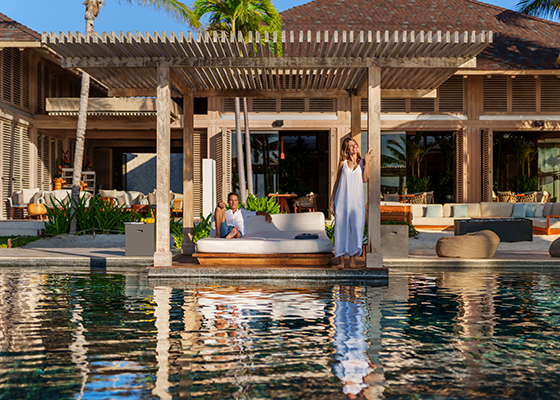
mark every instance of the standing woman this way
{"type": "Point", "coordinates": [348, 202]}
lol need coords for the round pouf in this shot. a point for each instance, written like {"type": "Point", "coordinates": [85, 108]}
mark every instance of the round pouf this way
{"type": "Point", "coordinates": [36, 210]}
{"type": "Point", "coordinates": [474, 245]}
{"type": "Point", "coordinates": [554, 249]}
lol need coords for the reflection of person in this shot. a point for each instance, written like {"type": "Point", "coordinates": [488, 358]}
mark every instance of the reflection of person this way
{"type": "Point", "coordinates": [348, 202]}
{"type": "Point", "coordinates": [230, 224]}
{"type": "Point", "coordinates": [350, 345]}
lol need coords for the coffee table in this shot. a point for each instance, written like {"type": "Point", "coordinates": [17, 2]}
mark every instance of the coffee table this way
{"type": "Point", "coordinates": [508, 229]}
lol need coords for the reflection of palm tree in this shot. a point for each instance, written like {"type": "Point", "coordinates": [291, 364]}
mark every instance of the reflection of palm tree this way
{"type": "Point", "coordinates": [525, 152]}
{"type": "Point", "coordinates": [411, 149]}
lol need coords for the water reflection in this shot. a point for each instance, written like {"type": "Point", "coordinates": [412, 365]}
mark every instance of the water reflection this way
{"type": "Point", "coordinates": [444, 334]}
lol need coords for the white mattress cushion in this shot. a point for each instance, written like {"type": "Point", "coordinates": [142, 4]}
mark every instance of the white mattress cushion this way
{"type": "Point", "coordinates": [276, 237]}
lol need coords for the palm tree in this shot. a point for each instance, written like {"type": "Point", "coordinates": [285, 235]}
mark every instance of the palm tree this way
{"type": "Point", "coordinates": [540, 8]}
{"type": "Point", "coordinates": [176, 10]}
{"type": "Point", "coordinates": [240, 16]}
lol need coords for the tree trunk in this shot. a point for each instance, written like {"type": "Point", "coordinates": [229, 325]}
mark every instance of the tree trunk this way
{"type": "Point", "coordinates": [240, 162]}
{"type": "Point", "coordinates": [248, 153]}
{"type": "Point", "coordinates": [81, 132]}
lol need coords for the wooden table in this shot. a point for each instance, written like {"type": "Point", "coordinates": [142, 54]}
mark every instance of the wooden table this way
{"type": "Point", "coordinates": [282, 199]}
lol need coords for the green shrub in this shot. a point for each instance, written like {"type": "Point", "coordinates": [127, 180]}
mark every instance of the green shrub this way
{"type": "Point", "coordinates": [104, 217]}
{"type": "Point", "coordinates": [17, 241]}
{"type": "Point", "coordinates": [202, 228]}
{"type": "Point", "coordinates": [176, 229]}
{"type": "Point", "coordinates": [266, 204]}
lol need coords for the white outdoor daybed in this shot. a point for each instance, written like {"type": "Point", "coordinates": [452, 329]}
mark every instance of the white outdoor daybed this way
{"type": "Point", "coordinates": [271, 243]}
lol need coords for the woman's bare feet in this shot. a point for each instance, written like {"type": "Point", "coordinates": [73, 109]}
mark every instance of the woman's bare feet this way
{"type": "Point", "coordinates": [353, 262]}
{"type": "Point", "coordinates": [233, 233]}
{"type": "Point", "coordinates": [340, 263]}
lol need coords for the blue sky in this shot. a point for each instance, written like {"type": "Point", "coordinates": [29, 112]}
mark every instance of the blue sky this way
{"type": "Point", "coordinates": [68, 15]}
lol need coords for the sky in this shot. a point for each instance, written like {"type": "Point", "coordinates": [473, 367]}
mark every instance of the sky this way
{"type": "Point", "coordinates": [68, 15]}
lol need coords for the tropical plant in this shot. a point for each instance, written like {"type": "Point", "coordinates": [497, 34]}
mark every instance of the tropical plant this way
{"type": "Point", "coordinates": [177, 11]}
{"type": "Point", "coordinates": [59, 215]}
{"type": "Point", "coordinates": [540, 8]}
{"type": "Point", "coordinates": [329, 230]}
{"type": "Point", "coordinates": [176, 229]}
{"type": "Point", "coordinates": [202, 228]}
{"type": "Point", "coordinates": [240, 16]}
{"type": "Point", "coordinates": [525, 152]}
{"type": "Point", "coordinates": [266, 204]}
{"type": "Point", "coordinates": [416, 185]}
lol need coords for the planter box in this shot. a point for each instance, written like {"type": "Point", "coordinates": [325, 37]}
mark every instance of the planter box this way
{"type": "Point", "coordinates": [139, 239]}
{"type": "Point", "coordinates": [394, 241]}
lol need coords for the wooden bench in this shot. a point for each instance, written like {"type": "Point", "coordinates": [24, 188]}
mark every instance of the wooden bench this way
{"type": "Point", "coordinates": [396, 213]}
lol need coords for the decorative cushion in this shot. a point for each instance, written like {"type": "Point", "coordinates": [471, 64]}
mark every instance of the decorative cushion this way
{"type": "Point", "coordinates": [27, 194]}
{"type": "Point", "coordinates": [539, 211]}
{"type": "Point", "coordinates": [530, 213]}
{"type": "Point", "coordinates": [433, 211]}
{"type": "Point", "coordinates": [36, 197]}
{"type": "Point", "coordinates": [152, 199]}
{"type": "Point", "coordinates": [547, 209]}
{"type": "Point", "coordinates": [519, 210]}
{"type": "Point", "coordinates": [108, 193]}
{"type": "Point", "coordinates": [460, 211]}
{"type": "Point", "coordinates": [121, 200]}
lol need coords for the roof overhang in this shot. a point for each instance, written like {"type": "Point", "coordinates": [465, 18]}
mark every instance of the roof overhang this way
{"type": "Point", "coordinates": [100, 106]}
{"type": "Point", "coordinates": [284, 65]}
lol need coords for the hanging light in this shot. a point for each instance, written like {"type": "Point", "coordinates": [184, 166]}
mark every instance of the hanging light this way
{"type": "Point", "coordinates": [282, 147]}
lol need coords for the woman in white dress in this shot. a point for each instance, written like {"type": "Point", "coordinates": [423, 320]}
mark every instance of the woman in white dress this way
{"type": "Point", "coordinates": [348, 202]}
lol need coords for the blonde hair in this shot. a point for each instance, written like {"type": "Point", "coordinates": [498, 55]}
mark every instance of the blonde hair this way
{"type": "Point", "coordinates": [344, 149]}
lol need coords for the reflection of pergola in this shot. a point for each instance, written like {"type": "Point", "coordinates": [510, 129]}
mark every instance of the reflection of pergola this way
{"type": "Point", "coordinates": [304, 64]}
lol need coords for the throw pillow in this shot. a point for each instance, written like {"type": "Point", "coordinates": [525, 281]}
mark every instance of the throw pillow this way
{"type": "Point", "coordinates": [531, 210]}
{"type": "Point", "coordinates": [152, 199]}
{"type": "Point", "coordinates": [519, 210]}
{"type": "Point", "coordinates": [433, 211]}
{"type": "Point", "coordinates": [121, 200]}
{"type": "Point", "coordinates": [539, 211]}
{"type": "Point", "coordinates": [460, 211]}
{"type": "Point", "coordinates": [36, 197]}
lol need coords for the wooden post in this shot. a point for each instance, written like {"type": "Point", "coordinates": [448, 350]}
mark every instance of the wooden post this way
{"type": "Point", "coordinates": [374, 258]}
{"type": "Point", "coordinates": [188, 165]}
{"type": "Point", "coordinates": [162, 256]}
{"type": "Point", "coordinates": [356, 119]}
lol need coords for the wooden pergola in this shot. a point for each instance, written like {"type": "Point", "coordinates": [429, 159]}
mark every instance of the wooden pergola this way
{"type": "Point", "coordinates": [287, 64]}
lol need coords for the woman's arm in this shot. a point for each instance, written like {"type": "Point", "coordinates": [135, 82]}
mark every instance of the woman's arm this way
{"type": "Point", "coordinates": [368, 157]}
{"type": "Point", "coordinates": [335, 188]}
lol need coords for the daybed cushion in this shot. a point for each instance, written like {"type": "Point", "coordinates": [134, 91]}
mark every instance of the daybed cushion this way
{"type": "Point", "coordinates": [276, 237]}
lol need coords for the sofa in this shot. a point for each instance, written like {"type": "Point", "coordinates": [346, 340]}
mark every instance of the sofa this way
{"type": "Point", "coordinates": [272, 243]}
{"type": "Point", "coordinates": [132, 197]}
{"type": "Point", "coordinates": [55, 197]}
{"type": "Point", "coordinates": [545, 216]}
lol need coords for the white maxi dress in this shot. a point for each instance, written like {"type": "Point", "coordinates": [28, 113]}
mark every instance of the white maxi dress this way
{"type": "Point", "coordinates": [350, 212]}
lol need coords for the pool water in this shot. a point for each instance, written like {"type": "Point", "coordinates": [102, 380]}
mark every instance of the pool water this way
{"type": "Point", "coordinates": [428, 334]}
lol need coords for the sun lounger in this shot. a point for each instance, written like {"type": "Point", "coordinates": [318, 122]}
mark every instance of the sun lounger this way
{"type": "Point", "coordinates": [271, 244]}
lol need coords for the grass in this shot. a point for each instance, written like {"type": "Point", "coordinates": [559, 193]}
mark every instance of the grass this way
{"type": "Point", "coordinates": [17, 241]}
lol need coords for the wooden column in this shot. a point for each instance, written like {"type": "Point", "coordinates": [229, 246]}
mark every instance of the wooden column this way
{"type": "Point", "coordinates": [356, 118]}
{"type": "Point", "coordinates": [374, 259]}
{"type": "Point", "coordinates": [188, 187]}
{"type": "Point", "coordinates": [162, 256]}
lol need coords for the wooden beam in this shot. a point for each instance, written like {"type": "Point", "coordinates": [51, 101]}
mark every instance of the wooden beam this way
{"type": "Point", "coordinates": [19, 44]}
{"type": "Point", "coordinates": [188, 166]}
{"type": "Point", "coordinates": [162, 256]}
{"type": "Point", "coordinates": [273, 62]}
{"type": "Point", "coordinates": [356, 118]}
{"type": "Point", "coordinates": [374, 258]}
{"type": "Point", "coordinates": [103, 104]}
{"type": "Point", "coordinates": [299, 93]}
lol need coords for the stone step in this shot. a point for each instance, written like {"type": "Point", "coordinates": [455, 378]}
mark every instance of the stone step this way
{"type": "Point", "coordinates": [24, 227]}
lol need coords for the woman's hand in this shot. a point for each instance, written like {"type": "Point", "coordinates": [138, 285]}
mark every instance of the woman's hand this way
{"type": "Point", "coordinates": [368, 156]}
{"type": "Point", "coordinates": [331, 209]}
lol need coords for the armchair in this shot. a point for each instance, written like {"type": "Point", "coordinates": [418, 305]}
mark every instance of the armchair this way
{"type": "Point", "coordinates": [307, 202]}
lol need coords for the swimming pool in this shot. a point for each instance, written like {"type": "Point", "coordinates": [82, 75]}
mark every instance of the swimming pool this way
{"type": "Point", "coordinates": [428, 334]}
